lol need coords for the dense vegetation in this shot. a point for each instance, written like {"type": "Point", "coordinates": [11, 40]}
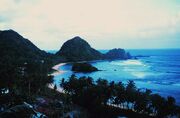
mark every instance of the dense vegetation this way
{"type": "Point", "coordinates": [24, 70]}
{"type": "Point", "coordinates": [109, 99]}
{"type": "Point", "coordinates": [22, 79]}
{"type": "Point", "coordinates": [83, 67]}
{"type": "Point", "coordinates": [23, 67]}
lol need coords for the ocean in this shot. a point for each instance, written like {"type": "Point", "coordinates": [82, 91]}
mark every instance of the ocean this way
{"type": "Point", "coordinates": [155, 69]}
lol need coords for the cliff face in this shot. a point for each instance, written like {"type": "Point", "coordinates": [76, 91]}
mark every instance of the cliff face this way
{"type": "Point", "coordinates": [14, 45]}
{"type": "Point", "coordinates": [77, 49]}
{"type": "Point", "coordinates": [117, 54]}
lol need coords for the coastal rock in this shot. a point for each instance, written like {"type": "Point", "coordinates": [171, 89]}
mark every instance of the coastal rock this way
{"type": "Point", "coordinates": [77, 49]}
{"type": "Point", "coordinates": [117, 53]}
{"type": "Point", "coordinates": [83, 67]}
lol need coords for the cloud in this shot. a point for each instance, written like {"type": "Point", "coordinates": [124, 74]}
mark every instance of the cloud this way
{"type": "Point", "coordinates": [109, 22]}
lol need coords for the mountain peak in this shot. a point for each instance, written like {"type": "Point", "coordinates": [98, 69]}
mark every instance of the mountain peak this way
{"type": "Point", "coordinates": [8, 31]}
{"type": "Point", "coordinates": [77, 37]}
{"type": "Point", "coordinates": [77, 49]}
{"type": "Point", "coordinates": [17, 45]}
{"type": "Point", "coordinates": [10, 35]}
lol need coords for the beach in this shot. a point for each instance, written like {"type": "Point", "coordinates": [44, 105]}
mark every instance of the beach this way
{"type": "Point", "coordinates": [58, 71]}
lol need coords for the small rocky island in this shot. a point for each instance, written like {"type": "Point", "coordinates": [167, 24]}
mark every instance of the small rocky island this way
{"type": "Point", "coordinates": [83, 67]}
{"type": "Point", "coordinates": [117, 53]}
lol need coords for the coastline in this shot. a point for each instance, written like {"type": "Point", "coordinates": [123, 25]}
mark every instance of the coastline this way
{"type": "Point", "coordinates": [57, 72]}
{"type": "Point", "coordinates": [59, 89]}
{"type": "Point", "coordinates": [56, 68]}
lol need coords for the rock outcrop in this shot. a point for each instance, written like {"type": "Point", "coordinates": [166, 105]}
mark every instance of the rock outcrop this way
{"type": "Point", "coordinates": [117, 53]}
{"type": "Point", "coordinates": [83, 67]}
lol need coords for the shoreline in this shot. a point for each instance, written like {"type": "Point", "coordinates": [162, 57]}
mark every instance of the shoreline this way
{"type": "Point", "coordinates": [59, 89]}
{"type": "Point", "coordinates": [150, 84]}
{"type": "Point", "coordinates": [57, 72]}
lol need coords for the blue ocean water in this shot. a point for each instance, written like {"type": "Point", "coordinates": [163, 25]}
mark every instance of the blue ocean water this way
{"type": "Point", "coordinates": [51, 51]}
{"type": "Point", "coordinates": [159, 71]}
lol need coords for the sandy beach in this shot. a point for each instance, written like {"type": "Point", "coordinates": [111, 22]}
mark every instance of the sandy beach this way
{"type": "Point", "coordinates": [57, 70]}
{"type": "Point", "coordinates": [59, 89]}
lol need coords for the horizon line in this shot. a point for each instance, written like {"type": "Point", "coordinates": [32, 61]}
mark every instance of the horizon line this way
{"type": "Point", "coordinates": [127, 49]}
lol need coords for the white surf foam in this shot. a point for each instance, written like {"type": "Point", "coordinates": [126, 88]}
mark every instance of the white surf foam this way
{"type": "Point", "coordinates": [129, 63]}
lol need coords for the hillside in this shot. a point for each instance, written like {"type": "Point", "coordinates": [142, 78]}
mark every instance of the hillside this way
{"type": "Point", "coordinates": [14, 45]}
{"type": "Point", "coordinates": [77, 49]}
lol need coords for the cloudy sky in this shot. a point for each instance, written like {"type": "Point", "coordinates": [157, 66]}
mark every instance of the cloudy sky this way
{"type": "Point", "coordinates": [103, 23]}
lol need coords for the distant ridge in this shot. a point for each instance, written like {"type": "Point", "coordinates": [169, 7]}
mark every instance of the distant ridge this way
{"type": "Point", "coordinates": [15, 46]}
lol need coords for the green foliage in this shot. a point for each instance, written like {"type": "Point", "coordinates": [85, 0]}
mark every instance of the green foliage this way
{"type": "Point", "coordinates": [95, 95]}
{"type": "Point", "coordinates": [120, 94]}
{"type": "Point", "coordinates": [23, 79]}
{"type": "Point", "coordinates": [23, 68]}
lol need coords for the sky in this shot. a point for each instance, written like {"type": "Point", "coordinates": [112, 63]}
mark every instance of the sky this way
{"type": "Point", "coordinates": [105, 24]}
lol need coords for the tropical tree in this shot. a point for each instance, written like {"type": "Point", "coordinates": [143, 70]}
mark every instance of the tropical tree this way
{"type": "Point", "coordinates": [102, 87]}
{"type": "Point", "coordinates": [130, 93]}
{"type": "Point", "coordinates": [170, 106]}
{"type": "Point", "coordinates": [158, 105]}
{"type": "Point", "coordinates": [95, 96]}
{"type": "Point", "coordinates": [120, 95]}
{"type": "Point", "coordinates": [143, 102]}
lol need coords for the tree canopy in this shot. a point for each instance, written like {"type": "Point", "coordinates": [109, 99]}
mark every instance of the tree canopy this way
{"type": "Point", "coordinates": [95, 95]}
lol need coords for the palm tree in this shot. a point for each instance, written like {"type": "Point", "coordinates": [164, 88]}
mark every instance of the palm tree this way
{"type": "Point", "coordinates": [130, 93]}
{"type": "Point", "coordinates": [158, 105]}
{"type": "Point", "coordinates": [102, 87]}
{"type": "Point", "coordinates": [143, 102]}
{"type": "Point", "coordinates": [170, 107]}
{"type": "Point", "coordinates": [120, 94]}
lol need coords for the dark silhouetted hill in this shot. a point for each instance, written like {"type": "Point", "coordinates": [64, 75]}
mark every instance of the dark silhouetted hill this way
{"type": "Point", "coordinates": [14, 45]}
{"type": "Point", "coordinates": [83, 67]}
{"type": "Point", "coordinates": [117, 53]}
{"type": "Point", "coordinates": [77, 49]}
